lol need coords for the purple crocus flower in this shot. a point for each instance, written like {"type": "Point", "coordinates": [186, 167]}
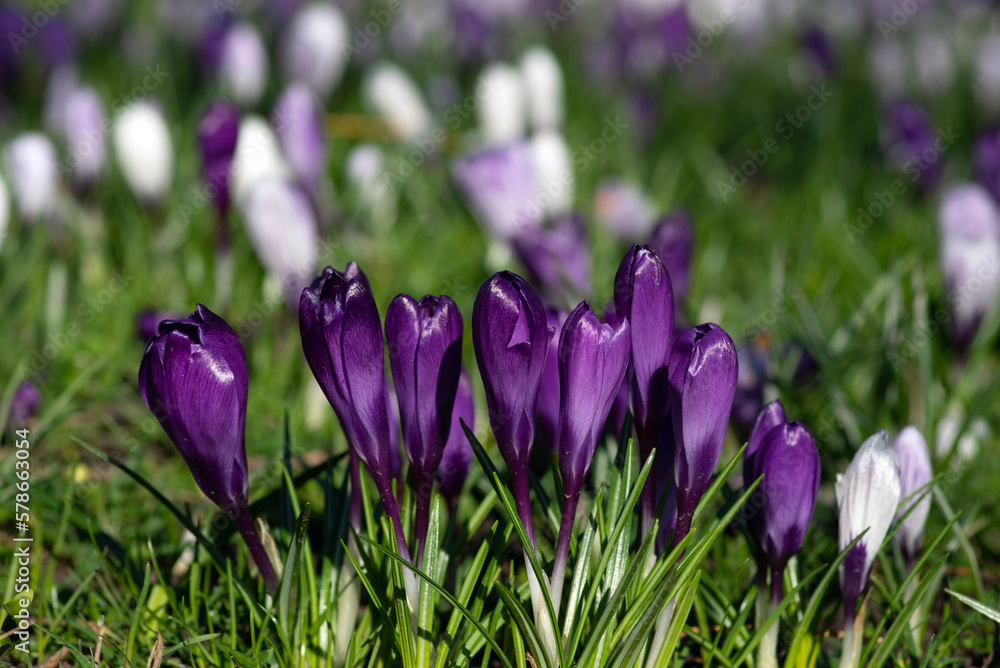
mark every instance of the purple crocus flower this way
{"type": "Point", "coordinates": [673, 241]}
{"type": "Point", "coordinates": [217, 133]}
{"type": "Point", "coordinates": [969, 228]}
{"type": "Point", "coordinates": [867, 496]}
{"type": "Point", "coordinates": [592, 361]}
{"type": "Point", "coordinates": [83, 119]}
{"type": "Point", "coordinates": [557, 257]}
{"type": "Point", "coordinates": [911, 142]}
{"type": "Point", "coordinates": [771, 416]}
{"type": "Point", "coordinates": [147, 323]}
{"type": "Point", "coordinates": [342, 341]}
{"type": "Point", "coordinates": [24, 405]}
{"type": "Point", "coordinates": [243, 65]}
{"type": "Point", "coordinates": [987, 161]}
{"type": "Point", "coordinates": [457, 454]}
{"type": "Point", "coordinates": [299, 124]}
{"type": "Point", "coordinates": [499, 186]}
{"type": "Point", "coordinates": [193, 378]}
{"type": "Point", "coordinates": [703, 370]}
{"type": "Point", "coordinates": [510, 334]}
{"type": "Point", "coordinates": [789, 462]}
{"type": "Point", "coordinates": [425, 355]}
{"type": "Point", "coordinates": [644, 296]}
{"type": "Point", "coordinates": [914, 473]}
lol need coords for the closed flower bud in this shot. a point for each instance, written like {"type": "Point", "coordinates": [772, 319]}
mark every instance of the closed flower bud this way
{"type": "Point", "coordinates": [673, 241]}
{"type": "Point", "coordinates": [910, 139]}
{"type": "Point", "coordinates": [772, 415]}
{"type": "Point", "coordinates": [987, 161]}
{"type": "Point", "coordinates": [30, 162]}
{"type": "Point", "coordinates": [510, 334]}
{"type": "Point", "coordinates": [644, 296]}
{"type": "Point", "coordinates": [969, 225]}
{"type": "Point", "coordinates": [547, 412]}
{"type": "Point", "coordinates": [592, 361]}
{"type": "Point", "coordinates": [501, 111]}
{"type": "Point", "coordinates": [914, 474]}
{"type": "Point", "coordinates": [867, 496]}
{"type": "Point", "coordinates": [85, 139]}
{"type": "Point", "coordinates": [703, 370]}
{"type": "Point", "coordinates": [258, 158]}
{"type": "Point", "coordinates": [553, 171]}
{"type": "Point", "coordinates": [243, 65]}
{"type": "Point", "coordinates": [457, 454]}
{"type": "Point", "coordinates": [789, 462]}
{"type": "Point", "coordinates": [316, 47]}
{"type": "Point", "coordinates": [425, 355]}
{"type": "Point", "coordinates": [144, 151]}
{"type": "Point", "coordinates": [543, 87]}
{"type": "Point", "coordinates": [499, 185]}
{"type": "Point", "coordinates": [342, 341]}
{"type": "Point", "coordinates": [282, 227]}
{"type": "Point", "coordinates": [986, 73]}
{"type": "Point", "coordinates": [393, 95]}
{"type": "Point", "coordinates": [300, 126]}
{"type": "Point", "coordinates": [24, 405]}
{"type": "Point", "coordinates": [218, 131]}
{"type": "Point", "coordinates": [193, 378]}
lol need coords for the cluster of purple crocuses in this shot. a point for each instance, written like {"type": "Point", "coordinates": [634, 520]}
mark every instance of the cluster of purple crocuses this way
{"type": "Point", "coordinates": [193, 377]}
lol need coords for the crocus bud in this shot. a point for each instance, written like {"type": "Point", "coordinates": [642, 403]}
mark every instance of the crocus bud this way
{"type": "Point", "coordinates": [557, 257]}
{"type": "Point", "coordinates": [499, 186]}
{"type": "Point", "coordinates": [501, 111]}
{"type": "Point", "coordinates": [342, 342]}
{"type": "Point", "coordinates": [425, 355]}
{"type": "Point", "coordinates": [987, 161]}
{"type": "Point", "coordinates": [553, 171]}
{"type": "Point", "coordinates": [457, 454]}
{"type": "Point", "coordinates": [218, 130]}
{"type": "Point", "coordinates": [193, 378]}
{"type": "Point", "coordinates": [147, 323]}
{"type": "Point", "coordinates": [243, 65]}
{"type": "Point", "coordinates": [969, 225]}
{"type": "Point", "coordinates": [24, 405]}
{"type": "Point", "coordinates": [392, 94]}
{"type": "Point", "coordinates": [592, 361]}
{"type": "Point", "coordinates": [543, 88]}
{"type": "Point", "coordinates": [282, 227]}
{"type": "Point", "coordinates": [316, 47]}
{"type": "Point", "coordinates": [510, 335]}
{"type": "Point", "coordinates": [257, 158]}
{"type": "Point", "coordinates": [789, 462]}
{"type": "Point", "coordinates": [914, 473]}
{"type": "Point", "coordinates": [84, 134]}
{"type": "Point", "coordinates": [144, 151]}
{"type": "Point", "coordinates": [30, 161]}
{"type": "Point", "coordinates": [703, 370]}
{"type": "Point", "coordinates": [910, 138]}
{"type": "Point", "coordinates": [299, 122]}
{"type": "Point", "coordinates": [986, 73]}
{"type": "Point", "coordinates": [623, 209]}
{"type": "Point", "coordinates": [867, 497]}
{"type": "Point", "coordinates": [673, 241]}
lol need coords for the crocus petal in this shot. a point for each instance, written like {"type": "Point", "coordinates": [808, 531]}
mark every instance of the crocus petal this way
{"type": "Point", "coordinates": [789, 462]}
{"type": "Point", "coordinates": [915, 472]}
{"type": "Point", "coordinates": [457, 455]}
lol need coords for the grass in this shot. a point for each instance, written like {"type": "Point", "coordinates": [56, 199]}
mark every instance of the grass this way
{"type": "Point", "coordinates": [117, 577]}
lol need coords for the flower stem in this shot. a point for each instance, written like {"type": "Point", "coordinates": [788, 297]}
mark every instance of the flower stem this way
{"type": "Point", "coordinates": [767, 650]}
{"type": "Point", "coordinates": [424, 486]}
{"type": "Point", "coordinates": [562, 549]}
{"type": "Point", "coordinates": [847, 657]}
{"type": "Point", "coordinates": [245, 525]}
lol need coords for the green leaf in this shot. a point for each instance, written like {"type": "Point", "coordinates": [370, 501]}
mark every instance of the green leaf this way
{"type": "Point", "coordinates": [524, 625]}
{"type": "Point", "coordinates": [288, 590]}
{"type": "Point", "coordinates": [901, 624]}
{"type": "Point", "coordinates": [425, 606]}
{"type": "Point", "coordinates": [976, 605]}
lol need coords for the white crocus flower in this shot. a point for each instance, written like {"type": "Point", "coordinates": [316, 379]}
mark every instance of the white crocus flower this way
{"type": "Point", "coordinates": [914, 473]}
{"type": "Point", "coordinates": [543, 88]}
{"type": "Point", "coordinates": [501, 111]}
{"type": "Point", "coordinates": [316, 47]}
{"type": "Point", "coordinates": [144, 151]}
{"type": "Point", "coordinates": [392, 94]}
{"type": "Point", "coordinates": [257, 158]}
{"type": "Point", "coordinates": [243, 64]}
{"type": "Point", "coordinates": [30, 161]}
{"type": "Point", "coordinates": [554, 171]}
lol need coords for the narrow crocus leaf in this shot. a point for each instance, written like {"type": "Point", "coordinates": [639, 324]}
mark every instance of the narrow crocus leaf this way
{"type": "Point", "coordinates": [703, 371]}
{"type": "Point", "coordinates": [914, 472]}
{"type": "Point", "coordinates": [867, 496]}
